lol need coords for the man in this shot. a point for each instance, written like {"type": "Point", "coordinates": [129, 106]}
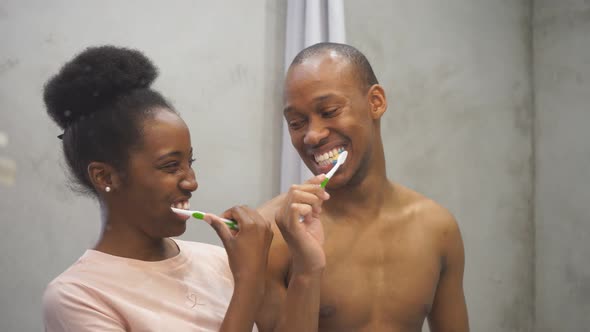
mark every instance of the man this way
{"type": "Point", "coordinates": [392, 256]}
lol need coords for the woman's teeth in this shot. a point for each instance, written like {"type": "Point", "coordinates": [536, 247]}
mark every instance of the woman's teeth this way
{"type": "Point", "coordinates": [181, 205]}
{"type": "Point", "coordinates": [328, 158]}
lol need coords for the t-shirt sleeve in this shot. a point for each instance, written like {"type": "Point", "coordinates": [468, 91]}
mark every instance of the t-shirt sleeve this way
{"type": "Point", "coordinates": [71, 307]}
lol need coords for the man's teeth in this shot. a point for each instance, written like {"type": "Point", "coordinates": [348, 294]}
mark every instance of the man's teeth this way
{"type": "Point", "coordinates": [329, 157]}
{"type": "Point", "coordinates": [181, 205]}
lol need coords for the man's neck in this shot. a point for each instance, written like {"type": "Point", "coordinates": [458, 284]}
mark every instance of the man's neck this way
{"type": "Point", "coordinates": [362, 200]}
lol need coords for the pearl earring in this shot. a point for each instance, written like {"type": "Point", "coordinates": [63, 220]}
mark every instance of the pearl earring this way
{"type": "Point", "coordinates": [107, 189]}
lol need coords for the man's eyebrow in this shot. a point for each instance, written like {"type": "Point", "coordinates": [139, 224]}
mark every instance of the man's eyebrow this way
{"type": "Point", "coordinates": [316, 100]}
{"type": "Point", "coordinates": [323, 98]}
{"type": "Point", "coordinates": [287, 109]}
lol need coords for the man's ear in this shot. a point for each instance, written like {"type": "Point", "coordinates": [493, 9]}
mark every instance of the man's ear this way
{"type": "Point", "coordinates": [104, 177]}
{"type": "Point", "coordinates": [377, 101]}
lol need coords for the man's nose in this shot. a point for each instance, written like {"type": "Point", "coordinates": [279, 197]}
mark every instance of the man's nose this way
{"type": "Point", "coordinates": [315, 133]}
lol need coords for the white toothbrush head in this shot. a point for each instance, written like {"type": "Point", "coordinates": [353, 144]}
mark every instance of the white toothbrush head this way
{"type": "Point", "coordinates": [340, 161]}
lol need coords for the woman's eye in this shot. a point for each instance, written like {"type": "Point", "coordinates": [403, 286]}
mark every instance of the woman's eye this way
{"type": "Point", "coordinates": [191, 161]}
{"type": "Point", "coordinates": [170, 166]}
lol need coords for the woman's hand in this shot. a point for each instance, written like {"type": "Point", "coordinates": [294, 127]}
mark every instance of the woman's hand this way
{"type": "Point", "coordinates": [247, 248]}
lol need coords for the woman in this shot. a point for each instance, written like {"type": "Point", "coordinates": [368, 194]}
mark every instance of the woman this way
{"type": "Point", "coordinates": [127, 146]}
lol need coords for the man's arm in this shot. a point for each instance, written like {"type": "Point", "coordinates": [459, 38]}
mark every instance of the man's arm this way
{"type": "Point", "coordinates": [284, 308]}
{"type": "Point", "coordinates": [295, 308]}
{"type": "Point", "coordinates": [276, 287]}
{"type": "Point", "coordinates": [277, 270]}
{"type": "Point", "coordinates": [449, 311]}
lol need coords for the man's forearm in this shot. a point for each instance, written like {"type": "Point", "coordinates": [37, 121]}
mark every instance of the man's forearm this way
{"type": "Point", "coordinates": [300, 311]}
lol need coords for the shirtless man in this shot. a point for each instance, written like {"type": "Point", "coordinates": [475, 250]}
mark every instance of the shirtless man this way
{"type": "Point", "coordinates": [393, 257]}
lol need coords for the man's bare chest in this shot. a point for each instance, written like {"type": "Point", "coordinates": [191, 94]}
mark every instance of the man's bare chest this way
{"type": "Point", "coordinates": [376, 277]}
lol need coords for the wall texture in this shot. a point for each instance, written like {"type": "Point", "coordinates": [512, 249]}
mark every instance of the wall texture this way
{"type": "Point", "coordinates": [562, 158]}
{"type": "Point", "coordinates": [458, 129]}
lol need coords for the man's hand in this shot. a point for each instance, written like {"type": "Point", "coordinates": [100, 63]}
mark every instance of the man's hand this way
{"type": "Point", "coordinates": [299, 223]}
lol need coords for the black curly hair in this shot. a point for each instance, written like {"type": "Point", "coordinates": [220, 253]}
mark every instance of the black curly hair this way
{"type": "Point", "coordinates": [100, 99]}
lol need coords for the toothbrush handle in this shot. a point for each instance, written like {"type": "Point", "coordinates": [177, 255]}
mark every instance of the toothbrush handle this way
{"type": "Point", "coordinates": [231, 224]}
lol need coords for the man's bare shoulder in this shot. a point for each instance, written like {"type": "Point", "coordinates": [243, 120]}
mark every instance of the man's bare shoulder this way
{"type": "Point", "coordinates": [428, 213]}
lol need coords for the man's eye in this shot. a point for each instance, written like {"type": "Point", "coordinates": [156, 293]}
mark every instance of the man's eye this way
{"type": "Point", "coordinates": [330, 113]}
{"type": "Point", "coordinates": [295, 124]}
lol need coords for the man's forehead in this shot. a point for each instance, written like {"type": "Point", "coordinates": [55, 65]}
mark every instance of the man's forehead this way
{"type": "Point", "coordinates": [320, 65]}
{"type": "Point", "coordinates": [309, 81]}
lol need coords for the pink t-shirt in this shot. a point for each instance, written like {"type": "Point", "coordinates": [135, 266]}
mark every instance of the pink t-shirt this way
{"type": "Point", "coordinates": [102, 292]}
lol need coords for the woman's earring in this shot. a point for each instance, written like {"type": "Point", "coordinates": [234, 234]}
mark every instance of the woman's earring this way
{"type": "Point", "coordinates": [107, 189]}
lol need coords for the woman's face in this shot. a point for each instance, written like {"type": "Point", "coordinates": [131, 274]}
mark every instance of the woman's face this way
{"type": "Point", "coordinates": [159, 175]}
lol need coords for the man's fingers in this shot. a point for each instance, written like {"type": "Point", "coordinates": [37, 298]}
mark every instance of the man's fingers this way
{"type": "Point", "coordinates": [313, 189]}
{"type": "Point", "coordinates": [297, 210]}
{"type": "Point", "coordinates": [303, 197]}
{"type": "Point", "coordinates": [316, 179]}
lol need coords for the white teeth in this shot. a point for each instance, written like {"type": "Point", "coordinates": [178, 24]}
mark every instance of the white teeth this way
{"type": "Point", "coordinates": [328, 157]}
{"type": "Point", "coordinates": [185, 205]}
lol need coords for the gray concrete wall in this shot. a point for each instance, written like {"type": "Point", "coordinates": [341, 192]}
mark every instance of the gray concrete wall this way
{"type": "Point", "coordinates": [562, 157]}
{"type": "Point", "coordinates": [221, 65]}
{"type": "Point", "coordinates": [458, 129]}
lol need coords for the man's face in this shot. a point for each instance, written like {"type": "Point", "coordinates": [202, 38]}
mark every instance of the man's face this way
{"type": "Point", "coordinates": [159, 175]}
{"type": "Point", "coordinates": [327, 112]}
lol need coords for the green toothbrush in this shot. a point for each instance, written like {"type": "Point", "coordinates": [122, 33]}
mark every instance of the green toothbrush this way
{"type": "Point", "coordinates": [340, 161]}
{"type": "Point", "coordinates": [201, 216]}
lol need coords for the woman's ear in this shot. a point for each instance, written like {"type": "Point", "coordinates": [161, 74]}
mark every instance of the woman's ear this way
{"type": "Point", "coordinates": [377, 101]}
{"type": "Point", "coordinates": [104, 177]}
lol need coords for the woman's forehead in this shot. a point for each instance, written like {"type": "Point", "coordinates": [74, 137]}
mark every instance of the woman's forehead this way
{"type": "Point", "coordinates": [165, 129]}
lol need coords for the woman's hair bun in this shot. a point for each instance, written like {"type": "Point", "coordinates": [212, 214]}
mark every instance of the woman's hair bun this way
{"type": "Point", "coordinates": [94, 79]}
